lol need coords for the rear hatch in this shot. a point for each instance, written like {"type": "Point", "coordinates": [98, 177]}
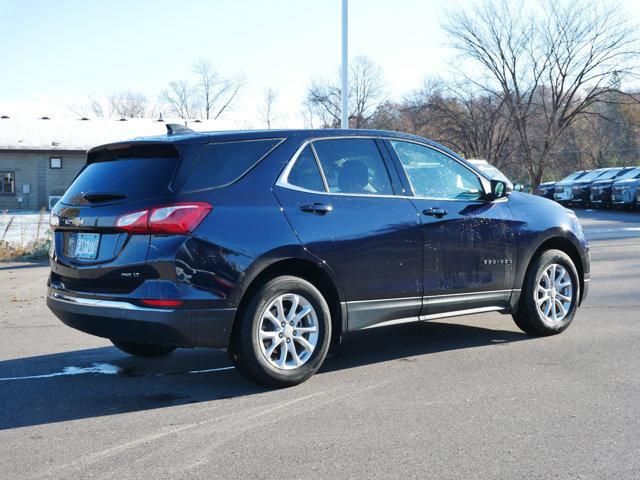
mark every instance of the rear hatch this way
{"type": "Point", "coordinates": [90, 253]}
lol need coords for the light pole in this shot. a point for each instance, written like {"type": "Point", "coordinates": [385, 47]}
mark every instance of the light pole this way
{"type": "Point", "coordinates": [344, 114]}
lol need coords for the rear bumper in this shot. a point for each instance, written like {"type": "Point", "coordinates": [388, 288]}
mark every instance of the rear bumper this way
{"type": "Point", "coordinates": [131, 323]}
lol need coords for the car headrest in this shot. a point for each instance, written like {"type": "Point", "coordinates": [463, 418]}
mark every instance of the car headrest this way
{"type": "Point", "coordinates": [353, 176]}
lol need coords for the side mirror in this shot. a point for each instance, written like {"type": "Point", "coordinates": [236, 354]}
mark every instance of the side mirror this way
{"type": "Point", "coordinates": [498, 190]}
{"type": "Point", "coordinates": [518, 187]}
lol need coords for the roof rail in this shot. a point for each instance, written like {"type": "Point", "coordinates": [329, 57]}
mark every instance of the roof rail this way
{"type": "Point", "coordinates": [176, 128]}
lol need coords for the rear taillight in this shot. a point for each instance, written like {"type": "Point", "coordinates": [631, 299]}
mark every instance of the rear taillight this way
{"type": "Point", "coordinates": [176, 218]}
{"type": "Point", "coordinates": [134, 222]}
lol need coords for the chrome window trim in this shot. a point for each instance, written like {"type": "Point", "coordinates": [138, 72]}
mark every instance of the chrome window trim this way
{"type": "Point", "coordinates": [319, 165]}
{"type": "Point", "coordinates": [284, 175]}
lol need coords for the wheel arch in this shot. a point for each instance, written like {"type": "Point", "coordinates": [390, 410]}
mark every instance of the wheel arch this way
{"type": "Point", "coordinates": [319, 276]}
{"type": "Point", "coordinates": [564, 244]}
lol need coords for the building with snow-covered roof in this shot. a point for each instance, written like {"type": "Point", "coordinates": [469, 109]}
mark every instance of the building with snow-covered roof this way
{"type": "Point", "coordinates": [40, 157]}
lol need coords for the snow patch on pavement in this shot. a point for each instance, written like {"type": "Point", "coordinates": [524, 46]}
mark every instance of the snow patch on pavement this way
{"type": "Point", "coordinates": [101, 368]}
{"type": "Point", "coordinates": [23, 228]}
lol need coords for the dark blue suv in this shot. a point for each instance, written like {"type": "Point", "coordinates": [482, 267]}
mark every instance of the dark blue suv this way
{"type": "Point", "coordinates": [272, 244]}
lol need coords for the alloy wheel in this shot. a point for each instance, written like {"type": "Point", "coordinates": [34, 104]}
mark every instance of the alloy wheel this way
{"type": "Point", "coordinates": [288, 331]}
{"type": "Point", "coordinates": [554, 294]}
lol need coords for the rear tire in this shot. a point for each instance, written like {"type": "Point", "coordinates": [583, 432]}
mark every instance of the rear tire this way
{"type": "Point", "coordinates": [275, 342]}
{"type": "Point", "coordinates": [142, 349]}
{"type": "Point", "coordinates": [549, 296]}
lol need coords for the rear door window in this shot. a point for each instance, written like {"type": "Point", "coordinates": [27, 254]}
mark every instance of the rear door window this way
{"type": "Point", "coordinates": [223, 163]}
{"type": "Point", "coordinates": [353, 165]}
{"type": "Point", "coordinates": [305, 173]}
{"type": "Point", "coordinates": [125, 179]}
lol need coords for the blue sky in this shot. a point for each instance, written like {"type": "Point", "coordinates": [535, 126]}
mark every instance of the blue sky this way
{"type": "Point", "coordinates": [58, 52]}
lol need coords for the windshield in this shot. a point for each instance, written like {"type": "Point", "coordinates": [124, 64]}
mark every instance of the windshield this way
{"type": "Point", "coordinates": [592, 175]}
{"type": "Point", "coordinates": [609, 174]}
{"type": "Point", "coordinates": [573, 176]}
{"type": "Point", "coordinates": [635, 173]}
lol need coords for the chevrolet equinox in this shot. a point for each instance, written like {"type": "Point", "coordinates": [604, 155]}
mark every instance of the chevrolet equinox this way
{"type": "Point", "coordinates": [272, 244]}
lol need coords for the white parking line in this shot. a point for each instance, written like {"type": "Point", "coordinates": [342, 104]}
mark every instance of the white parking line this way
{"type": "Point", "coordinates": [212, 370]}
{"type": "Point", "coordinates": [611, 230]}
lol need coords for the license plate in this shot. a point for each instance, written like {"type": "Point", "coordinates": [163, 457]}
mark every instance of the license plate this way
{"type": "Point", "coordinates": [86, 246]}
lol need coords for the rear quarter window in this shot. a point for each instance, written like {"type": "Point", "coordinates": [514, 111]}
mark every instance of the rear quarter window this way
{"type": "Point", "coordinates": [223, 163]}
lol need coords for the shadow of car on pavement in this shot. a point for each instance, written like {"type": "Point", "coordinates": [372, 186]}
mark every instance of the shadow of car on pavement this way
{"type": "Point", "coordinates": [192, 375]}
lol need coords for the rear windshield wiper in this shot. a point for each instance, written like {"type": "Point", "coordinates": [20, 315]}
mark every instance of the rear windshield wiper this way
{"type": "Point", "coordinates": [102, 196]}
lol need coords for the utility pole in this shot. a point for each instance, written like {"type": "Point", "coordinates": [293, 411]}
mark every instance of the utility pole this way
{"type": "Point", "coordinates": [344, 117]}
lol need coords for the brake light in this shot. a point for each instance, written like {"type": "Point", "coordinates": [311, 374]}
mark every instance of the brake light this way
{"type": "Point", "coordinates": [176, 218]}
{"type": "Point", "coordinates": [133, 222]}
{"type": "Point", "coordinates": [162, 303]}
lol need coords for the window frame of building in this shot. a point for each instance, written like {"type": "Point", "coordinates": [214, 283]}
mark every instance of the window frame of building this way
{"type": "Point", "coordinates": [3, 173]}
{"type": "Point", "coordinates": [59, 163]}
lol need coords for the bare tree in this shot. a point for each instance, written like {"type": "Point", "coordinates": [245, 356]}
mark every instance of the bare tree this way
{"type": "Point", "coordinates": [181, 98]}
{"type": "Point", "coordinates": [472, 122]}
{"type": "Point", "coordinates": [548, 66]}
{"type": "Point", "coordinates": [128, 104]}
{"type": "Point", "coordinates": [267, 110]}
{"type": "Point", "coordinates": [217, 93]}
{"type": "Point", "coordinates": [366, 92]}
{"type": "Point", "coordinates": [91, 107]}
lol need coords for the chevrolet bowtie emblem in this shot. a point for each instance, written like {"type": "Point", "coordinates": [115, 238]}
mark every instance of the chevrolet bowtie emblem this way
{"type": "Point", "coordinates": [75, 221]}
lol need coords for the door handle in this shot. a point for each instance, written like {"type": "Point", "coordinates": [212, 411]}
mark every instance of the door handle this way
{"type": "Point", "coordinates": [317, 208]}
{"type": "Point", "coordinates": [435, 212]}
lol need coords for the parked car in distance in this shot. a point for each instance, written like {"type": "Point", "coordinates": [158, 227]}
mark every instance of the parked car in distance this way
{"type": "Point", "coordinates": [562, 189]}
{"type": "Point", "coordinates": [600, 190]}
{"type": "Point", "coordinates": [490, 171]}
{"type": "Point", "coordinates": [272, 244]}
{"type": "Point", "coordinates": [624, 192]}
{"type": "Point", "coordinates": [581, 188]}
{"type": "Point", "coordinates": [546, 190]}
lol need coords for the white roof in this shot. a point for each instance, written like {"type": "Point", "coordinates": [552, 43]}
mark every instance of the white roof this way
{"type": "Point", "coordinates": [80, 135]}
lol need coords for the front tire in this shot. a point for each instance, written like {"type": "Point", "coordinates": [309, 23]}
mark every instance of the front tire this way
{"type": "Point", "coordinates": [549, 296]}
{"type": "Point", "coordinates": [142, 349]}
{"type": "Point", "coordinates": [283, 334]}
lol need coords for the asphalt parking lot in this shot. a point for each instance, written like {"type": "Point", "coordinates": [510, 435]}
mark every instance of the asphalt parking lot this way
{"type": "Point", "coordinates": [471, 397]}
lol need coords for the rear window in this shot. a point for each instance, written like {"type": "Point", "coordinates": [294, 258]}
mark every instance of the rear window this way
{"type": "Point", "coordinates": [126, 179]}
{"type": "Point", "coordinates": [223, 163]}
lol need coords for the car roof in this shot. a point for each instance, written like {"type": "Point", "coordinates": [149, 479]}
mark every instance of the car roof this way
{"type": "Point", "coordinates": [301, 134]}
